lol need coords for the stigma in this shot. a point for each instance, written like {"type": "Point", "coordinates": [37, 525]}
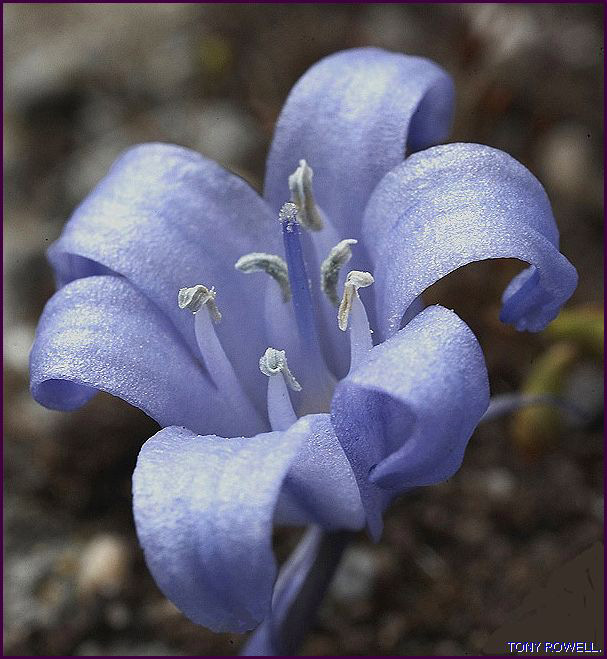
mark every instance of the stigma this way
{"type": "Point", "coordinates": [288, 214]}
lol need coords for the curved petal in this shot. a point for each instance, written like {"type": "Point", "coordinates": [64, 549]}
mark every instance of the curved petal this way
{"type": "Point", "coordinates": [450, 205]}
{"type": "Point", "coordinates": [352, 116]}
{"type": "Point", "coordinates": [165, 217]}
{"type": "Point", "coordinates": [321, 487]}
{"type": "Point", "coordinates": [405, 416]}
{"type": "Point", "coordinates": [204, 510]}
{"type": "Point", "coordinates": [101, 333]}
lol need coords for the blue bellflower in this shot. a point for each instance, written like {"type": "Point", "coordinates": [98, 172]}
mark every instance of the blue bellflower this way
{"type": "Point", "coordinates": [290, 410]}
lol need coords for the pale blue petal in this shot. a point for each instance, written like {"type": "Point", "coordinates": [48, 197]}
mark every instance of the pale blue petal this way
{"type": "Point", "coordinates": [405, 416]}
{"type": "Point", "coordinates": [321, 487]}
{"type": "Point", "coordinates": [204, 509]}
{"type": "Point", "coordinates": [352, 116]}
{"type": "Point", "coordinates": [166, 217]}
{"type": "Point", "coordinates": [451, 205]}
{"type": "Point", "coordinates": [100, 333]}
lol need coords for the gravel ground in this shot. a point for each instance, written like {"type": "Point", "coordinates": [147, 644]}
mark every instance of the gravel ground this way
{"type": "Point", "coordinates": [83, 82]}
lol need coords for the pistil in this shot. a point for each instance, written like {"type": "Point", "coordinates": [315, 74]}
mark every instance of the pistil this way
{"type": "Point", "coordinates": [317, 379]}
{"type": "Point", "coordinates": [298, 279]}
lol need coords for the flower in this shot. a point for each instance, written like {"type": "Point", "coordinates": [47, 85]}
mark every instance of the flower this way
{"type": "Point", "coordinates": [237, 452]}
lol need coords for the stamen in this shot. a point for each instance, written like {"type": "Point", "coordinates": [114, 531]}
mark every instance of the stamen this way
{"type": "Point", "coordinates": [269, 263]}
{"type": "Point", "coordinates": [280, 408]}
{"type": "Point", "coordinates": [356, 279]}
{"type": "Point", "coordinates": [196, 297]}
{"type": "Point", "coordinates": [274, 362]}
{"type": "Point", "coordinates": [352, 308]}
{"type": "Point", "coordinates": [300, 185]}
{"type": "Point", "coordinates": [330, 267]}
{"type": "Point", "coordinates": [215, 359]}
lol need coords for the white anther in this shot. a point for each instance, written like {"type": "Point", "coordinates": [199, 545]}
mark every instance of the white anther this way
{"type": "Point", "coordinates": [300, 185]}
{"type": "Point", "coordinates": [269, 263]}
{"type": "Point", "coordinates": [195, 297]}
{"type": "Point", "coordinates": [274, 362]}
{"type": "Point", "coordinates": [356, 279]}
{"type": "Point", "coordinates": [329, 269]}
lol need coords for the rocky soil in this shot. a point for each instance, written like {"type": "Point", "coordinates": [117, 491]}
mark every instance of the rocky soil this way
{"type": "Point", "coordinates": [82, 83]}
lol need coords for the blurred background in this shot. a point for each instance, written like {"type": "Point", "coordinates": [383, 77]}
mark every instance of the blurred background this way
{"type": "Point", "coordinates": [82, 83]}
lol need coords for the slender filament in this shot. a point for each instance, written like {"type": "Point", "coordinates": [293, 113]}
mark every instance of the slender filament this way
{"type": "Point", "coordinates": [280, 408]}
{"type": "Point", "coordinates": [352, 313]}
{"type": "Point", "coordinates": [361, 340]}
{"type": "Point", "coordinates": [273, 363]}
{"type": "Point", "coordinates": [201, 301]}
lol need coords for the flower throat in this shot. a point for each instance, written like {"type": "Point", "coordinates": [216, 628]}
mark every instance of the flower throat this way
{"type": "Point", "coordinates": [300, 218]}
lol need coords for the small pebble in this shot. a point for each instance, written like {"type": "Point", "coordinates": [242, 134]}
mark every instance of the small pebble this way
{"type": "Point", "coordinates": [225, 133]}
{"type": "Point", "coordinates": [499, 484]}
{"type": "Point", "coordinates": [104, 565]}
{"type": "Point", "coordinates": [356, 574]}
{"type": "Point", "coordinates": [565, 159]}
{"type": "Point", "coordinates": [431, 562]}
{"type": "Point", "coordinates": [118, 615]}
{"type": "Point", "coordinates": [18, 341]}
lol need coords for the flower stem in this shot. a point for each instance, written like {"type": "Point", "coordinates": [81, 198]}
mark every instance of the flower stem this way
{"type": "Point", "coordinates": [299, 590]}
{"type": "Point", "coordinates": [505, 404]}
